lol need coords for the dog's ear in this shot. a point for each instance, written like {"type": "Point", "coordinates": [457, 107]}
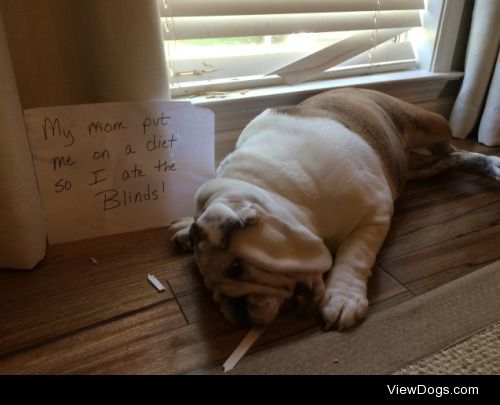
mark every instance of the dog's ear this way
{"type": "Point", "coordinates": [213, 228]}
{"type": "Point", "coordinates": [277, 245]}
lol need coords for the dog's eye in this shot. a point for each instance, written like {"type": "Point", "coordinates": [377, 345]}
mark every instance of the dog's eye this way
{"type": "Point", "coordinates": [236, 270]}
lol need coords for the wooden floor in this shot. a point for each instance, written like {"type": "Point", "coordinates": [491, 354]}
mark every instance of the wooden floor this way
{"type": "Point", "coordinates": [70, 315]}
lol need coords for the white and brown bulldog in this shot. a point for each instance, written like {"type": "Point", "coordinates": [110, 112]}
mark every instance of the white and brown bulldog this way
{"type": "Point", "coordinates": [306, 199]}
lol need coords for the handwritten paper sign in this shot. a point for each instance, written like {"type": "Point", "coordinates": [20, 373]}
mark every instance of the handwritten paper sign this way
{"type": "Point", "coordinates": [117, 167]}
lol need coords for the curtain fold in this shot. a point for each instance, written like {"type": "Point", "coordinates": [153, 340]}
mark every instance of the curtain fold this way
{"type": "Point", "coordinates": [62, 52]}
{"type": "Point", "coordinates": [480, 63]}
{"type": "Point", "coordinates": [489, 129]}
{"type": "Point", "coordinates": [73, 52]}
{"type": "Point", "coordinates": [22, 230]}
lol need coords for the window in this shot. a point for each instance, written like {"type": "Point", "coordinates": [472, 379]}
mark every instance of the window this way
{"type": "Point", "coordinates": [219, 45]}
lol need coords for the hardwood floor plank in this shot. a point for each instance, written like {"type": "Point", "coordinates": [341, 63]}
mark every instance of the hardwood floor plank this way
{"type": "Point", "coordinates": [445, 261]}
{"type": "Point", "coordinates": [390, 302]}
{"type": "Point", "coordinates": [145, 342]}
{"type": "Point", "coordinates": [441, 189]}
{"type": "Point", "coordinates": [193, 297]}
{"type": "Point", "coordinates": [382, 286]}
{"type": "Point", "coordinates": [67, 291]}
{"type": "Point", "coordinates": [417, 229]}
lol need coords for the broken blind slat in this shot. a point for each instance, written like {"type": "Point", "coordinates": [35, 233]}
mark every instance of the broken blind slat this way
{"type": "Point", "coordinates": [312, 65]}
{"type": "Point", "coordinates": [266, 62]}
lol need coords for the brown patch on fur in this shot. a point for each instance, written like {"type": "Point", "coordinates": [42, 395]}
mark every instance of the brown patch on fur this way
{"type": "Point", "coordinates": [390, 126]}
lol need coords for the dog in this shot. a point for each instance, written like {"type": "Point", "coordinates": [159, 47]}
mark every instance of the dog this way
{"type": "Point", "coordinates": [299, 210]}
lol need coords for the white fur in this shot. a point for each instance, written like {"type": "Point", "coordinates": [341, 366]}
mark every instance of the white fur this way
{"type": "Point", "coordinates": [311, 182]}
{"type": "Point", "coordinates": [337, 178]}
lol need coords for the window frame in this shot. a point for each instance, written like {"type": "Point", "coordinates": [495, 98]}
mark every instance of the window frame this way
{"type": "Point", "coordinates": [234, 109]}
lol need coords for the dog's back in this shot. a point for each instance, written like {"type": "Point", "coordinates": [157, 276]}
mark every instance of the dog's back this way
{"type": "Point", "coordinates": [390, 126]}
{"type": "Point", "coordinates": [395, 129]}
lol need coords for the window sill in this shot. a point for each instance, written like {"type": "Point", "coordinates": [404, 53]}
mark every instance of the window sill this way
{"type": "Point", "coordinates": [234, 109]}
{"type": "Point", "coordinates": [390, 80]}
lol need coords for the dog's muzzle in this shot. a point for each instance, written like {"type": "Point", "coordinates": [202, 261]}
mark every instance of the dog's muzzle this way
{"type": "Point", "coordinates": [251, 310]}
{"type": "Point", "coordinates": [261, 310]}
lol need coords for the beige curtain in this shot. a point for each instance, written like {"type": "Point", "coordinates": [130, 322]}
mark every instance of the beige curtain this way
{"type": "Point", "coordinates": [479, 97]}
{"type": "Point", "coordinates": [58, 52]}
{"type": "Point", "coordinates": [22, 233]}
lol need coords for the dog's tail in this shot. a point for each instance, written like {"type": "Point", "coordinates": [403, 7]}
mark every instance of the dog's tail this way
{"type": "Point", "coordinates": [424, 166]}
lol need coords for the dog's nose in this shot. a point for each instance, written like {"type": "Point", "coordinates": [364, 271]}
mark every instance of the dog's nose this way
{"type": "Point", "coordinates": [239, 311]}
{"type": "Point", "coordinates": [303, 296]}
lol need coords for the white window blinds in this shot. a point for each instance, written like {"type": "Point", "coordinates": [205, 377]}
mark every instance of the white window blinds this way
{"type": "Point", "coordinates": [224, 45]}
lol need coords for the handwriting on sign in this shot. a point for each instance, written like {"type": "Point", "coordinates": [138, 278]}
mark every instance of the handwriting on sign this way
{"type": "Point", "coordinates": [118, 167]}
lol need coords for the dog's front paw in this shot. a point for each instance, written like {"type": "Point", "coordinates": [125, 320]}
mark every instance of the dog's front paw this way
{"type": "Point", "coordinates": [180, 233]}
{"type": "Point", "coordinates": [495, 167]}
{"type": "Point", "coordinates": [343, 307]}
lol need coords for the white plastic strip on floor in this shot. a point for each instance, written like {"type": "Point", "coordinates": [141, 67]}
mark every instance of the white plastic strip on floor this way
{"type": "Point", "coordinates": [156, 283]}
{"type": "Point", "coordinates": [247, 342]}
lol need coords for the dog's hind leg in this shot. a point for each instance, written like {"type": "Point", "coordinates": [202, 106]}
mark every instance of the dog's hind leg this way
{"type": "Point", "coordinates": [422, 166]}
{"type": "Point", "coordinates": [432, 132]}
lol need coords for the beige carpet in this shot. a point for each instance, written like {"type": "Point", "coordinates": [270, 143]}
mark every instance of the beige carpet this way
{"type": "Point", "coordinates": [477, 354]}
{"type": "Point", "coordinates": [400, 336]}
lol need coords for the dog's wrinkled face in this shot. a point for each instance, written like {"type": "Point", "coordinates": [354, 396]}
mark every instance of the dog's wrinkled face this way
{"type": "Point", "coordinates": [238, 287]}
{"type": "Point", "coordinates": [242, 298]}
{"type": "Point", "coordinates": [246, 293]}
